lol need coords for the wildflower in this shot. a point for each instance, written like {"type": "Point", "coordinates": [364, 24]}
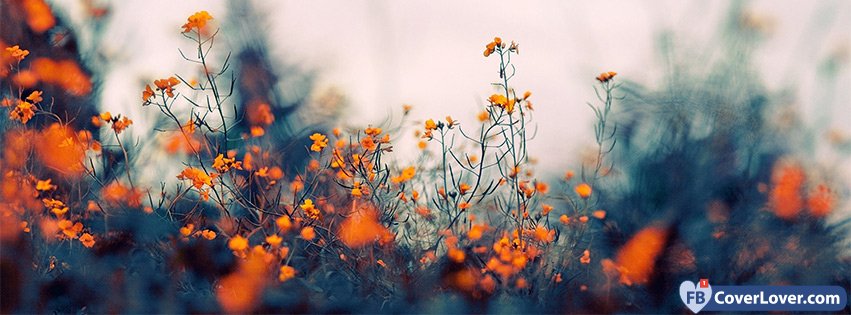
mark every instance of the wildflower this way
{"type": "Point", "coordinates": [430, 124]}
{"type": "Point", "coordinates": [23, 112]}
{"type": "Point", "coordinates": [209, 235]}
{"type": "Point", "coordinates": [372, 131]}
{"type": "Point", "coordinates": [147, 94]}
{"type": "Point", "coordinates": [356, 191]}
{"type": "Point", "coordinates": [820, 201]}
{"type": "Point", "coordinates": [87, 239]}
{"type": "Point", "coordinates": [456, 255]}
{"type": "Point", "coordinates": [319, 142]}
{"type": "Point", "coordinates": [544, 235]}
{"type": "Point", "coordinates": [542, 187]}
{"type": "Point", "coordinates": [583, 190]}
{"type": "Point", "coordinates": [368, 143]}
{"type": "Point", "coordinates": [284, 223]}
{"type": "Point", "coordinates": [308, 233]}
{"type": "Point", "coordinates": [166, 85]}
{"type": "Point", "coordinates": [586, 257]}
{"type": "Point", "coordinates": [286, 273]}
{"type": "Point", "coordinates": [498, 100]}
{"type": "Point", "coordinates": [491, 47]}
{"type": "Point", "coordinates": [785, 196]}
{"type": "Point", "coordinates": [197, 21]}
{"type": "Point", "coordinates": [17, 52]}
{"type": "Point", "coordinates": [361, 229]}
{"type": "Point", "coordinates": [310, 210]}
{"type": "Point", "coordinates": [606, 76]}
{"type": "Point", "coordinates": [274, 240]}
{"type": "Point", "coordinates": [527, 94]}
{"type": "Point", "coordinates": [583, 219]}
{"type": "Point", "coordinates": [223, 164]}
{"type": "Point", "coordinates": [476, 231]}
{"type": "Point", "coordinates": [187, 230]}
{"type": "Point", "coordinates": [120, 124]}
{"type": "Point", "coordinates": [35, 97]}
{"type": "Point", "coordinates": [198, 177]}
{"type": "Point", "coordinates": [450, 122]}
{"type": "Point", "coordinates": [545, 209]}
{"type": "Point", "coordinates": [406, 175]}
{"type": "Point", "coordinates": [238, 243]}
{"type": "Point", "coordinates": [463, 188]}
{"type": "Point", "coordinates": [44, 185]}
{"type": "Point", "coordinates": [464, 205]}
{"type": "Point", "coordinates": [599, 214]}
{"type": "Point", "coordinates": [484, 116]}
{"type": "Point", "coordinates": [638, 256]}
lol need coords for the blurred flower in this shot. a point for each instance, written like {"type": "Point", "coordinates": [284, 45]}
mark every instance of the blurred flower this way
{"type": "Point", "coordinates": [583, 190]}
{"type": "Point", "coordinates": [606, 76]}
{"type": "Point", "coordinates": [238, 243]}
{"type": "Point", "coordinates": [197, 21]}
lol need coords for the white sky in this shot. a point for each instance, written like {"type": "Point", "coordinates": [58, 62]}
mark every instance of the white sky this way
{"type": "Point", "coordinates": [382, 54]}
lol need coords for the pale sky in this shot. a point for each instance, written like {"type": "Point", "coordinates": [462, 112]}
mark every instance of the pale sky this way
{"type": "Point", "coordinates": [382, 54]}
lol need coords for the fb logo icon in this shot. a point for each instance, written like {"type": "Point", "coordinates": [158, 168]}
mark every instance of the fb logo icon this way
{"type": "Point", "coordinates": [695, 296]}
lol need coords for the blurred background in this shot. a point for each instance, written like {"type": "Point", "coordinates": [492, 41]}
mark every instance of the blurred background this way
{"type": "Point", "coordinates": [379, 55]}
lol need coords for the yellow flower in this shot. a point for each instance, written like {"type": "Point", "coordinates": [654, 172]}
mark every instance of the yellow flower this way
{"type": "Point", "coordinates": [320, 141]}
{"type": "Point", "coordinates": [187, 230]}
{"type": "Point", "coordinates": [209, 235]}
{"type": "Point", "coordinates": [406, 175]}
{"type": "Point", "coordinates": [197, 21]}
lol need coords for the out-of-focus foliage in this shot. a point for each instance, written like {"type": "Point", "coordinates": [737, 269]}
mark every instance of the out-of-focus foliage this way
{"type": "Point", "coordinates": [272, 212]}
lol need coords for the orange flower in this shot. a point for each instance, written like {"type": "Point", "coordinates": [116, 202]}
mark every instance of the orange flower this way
{"type": "Point", "coordinates": [583, 190]}
{"type": "Point", "coordinates": [187, 230]}
{"type": "Point", "coordinates": [223, 164]}
{"type": "Point", "coordinates": [286, 273]}
{"type": "Point", "coordinates": [406, 175]}
{"type": "Point", "coordinates": [147, 93]}
{"type": "Point", "coordinates": [274, 240]}
{"type": "Point", "coordinates": [310, 210]}
{"type": "Point", "coordinates": [606, 76]}
{"type": "Point", "coordinates": [88, 240]}
{"type": "Point", "coordinates": [372, 131]}
{"type": "Point", "coordinates": [44, 185]}
{"type": "Point", "coordinates": [197, 21]}
{"type": "Point", "coordinates": [456, 255]}
{"type": "Point", "coordinates": [638, 255]}
{"type": "Point", "coordinates": [599, 214]}
{"type": "Point", "coordinates": [284, 223]}
{"type": "Point", "coordinates": [17, 52]}
{"type": "Point", "coordinates": [238, 243]}
{"type": "Point", "coordinates": [430, 124]}
{"type": "Point", "coordinates": [23, 112]}
{"type": "Point", "coordinates": [785, 196]}
{"type": "Point", "coordinates": [586, 257]}
{"type": "Point", "coordinates": [564, 219]}
{"type": "Point", "coordinates": [319, 142]}
{"type": "Point", "coordinates": [35, 97]}
{"type": "Point", "coordinates": [308, 233]}
{"type": "Point", "coordinates": [39, 16]}
{"type": "Point", "coordinates": [484, 116]}
{"type": "Point", "coordinates": [361, 229]}
{"type": "Point", "coordinates": [167, 85]}
{"type": "Point", "coordinates": [498, 100]}
{"type": "Point", "coordinates": [198, 177]}
{"type": "Point", "coordinates": [820, 201]}
{"type": "Point", "coordinates": [209, 235]}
